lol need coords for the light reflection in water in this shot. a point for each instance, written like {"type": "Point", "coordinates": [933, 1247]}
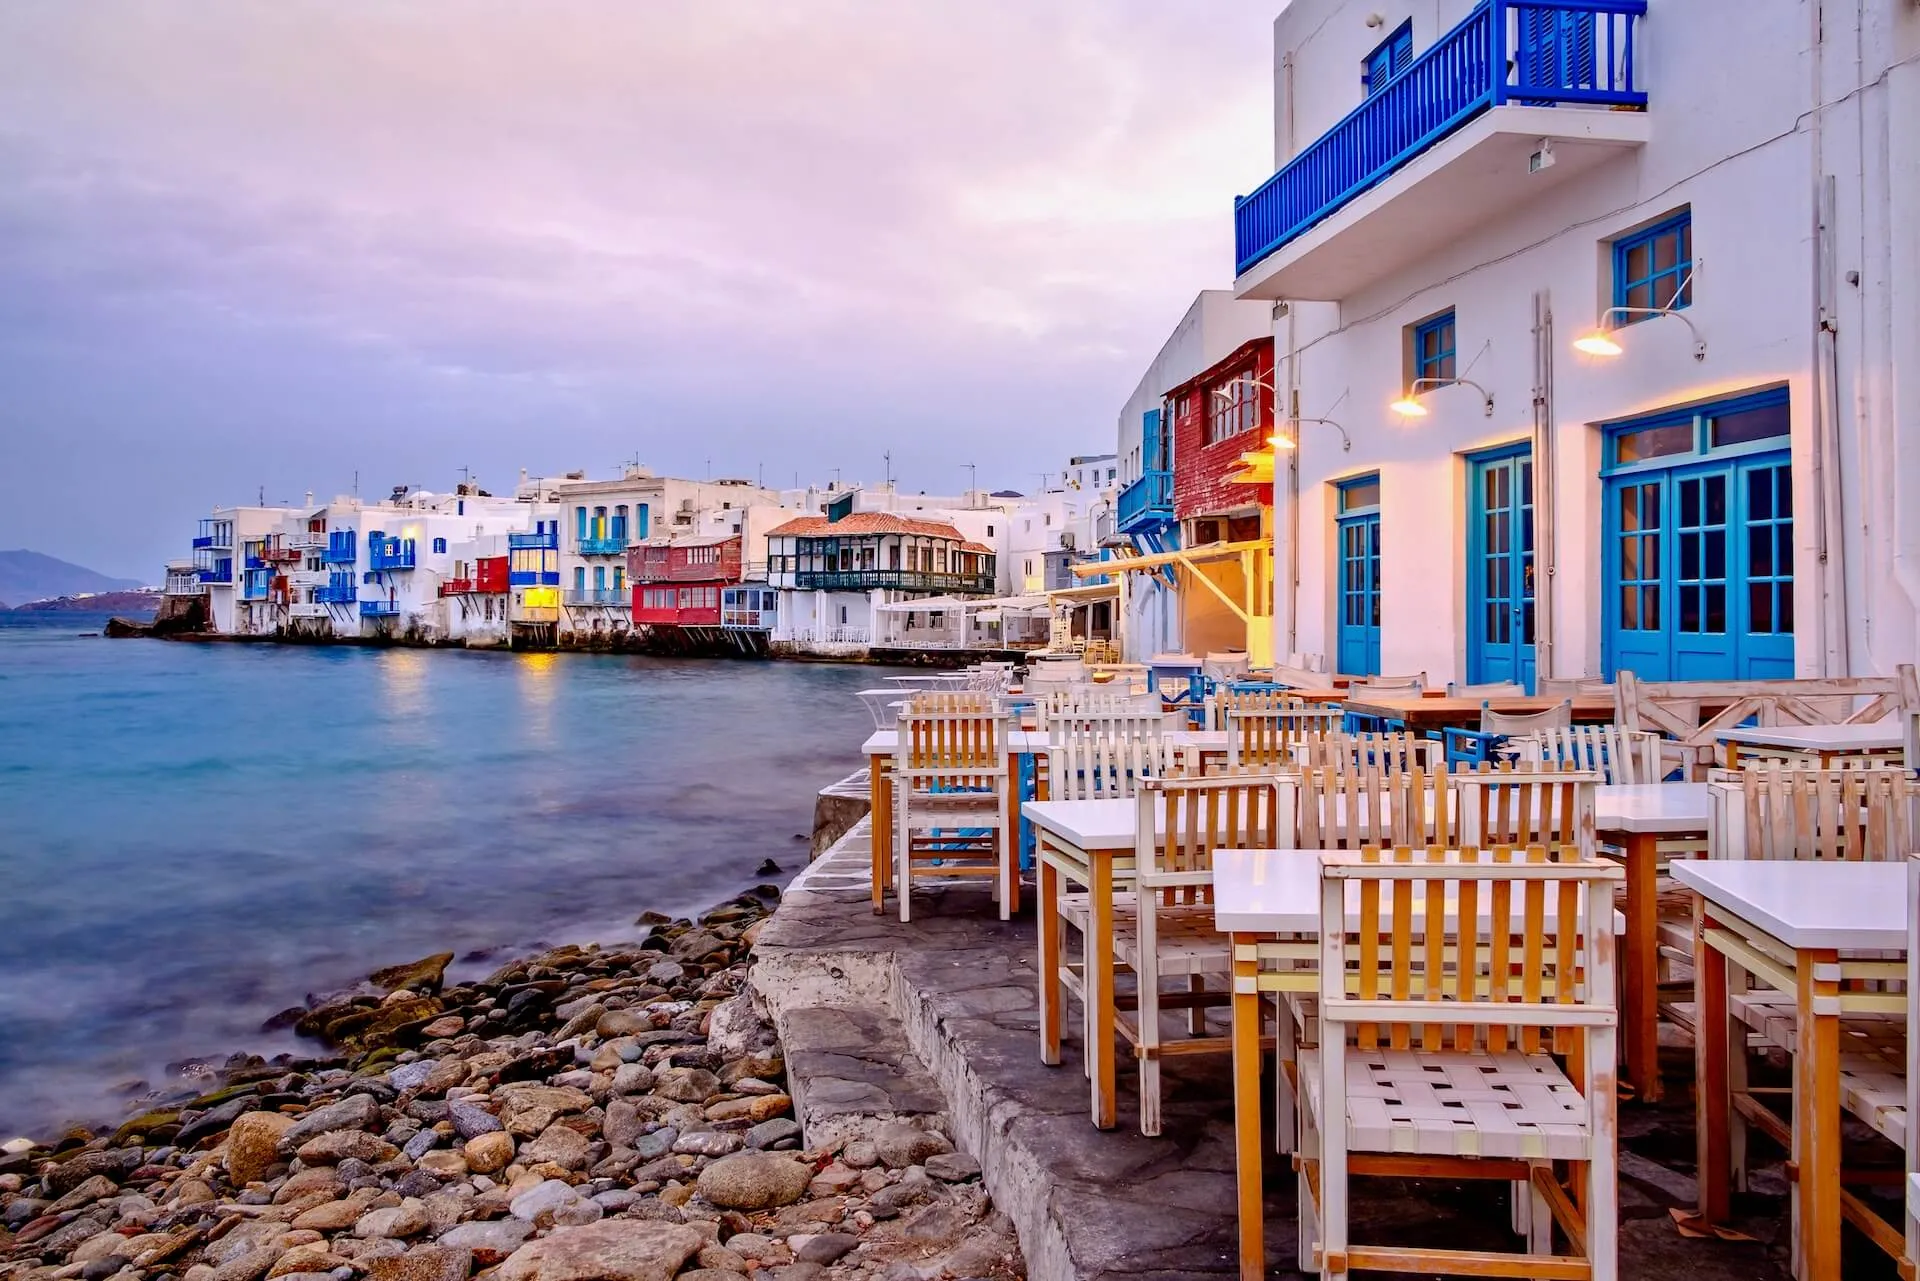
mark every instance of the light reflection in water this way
{"type": "Point", "coordinates": [537, 691]}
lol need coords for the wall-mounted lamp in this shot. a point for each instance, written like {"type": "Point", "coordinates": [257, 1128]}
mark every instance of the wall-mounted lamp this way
{"type": "Point", "coordinates": [1277, 439]}
{"type": "Point", "coordinates": [1601, 341]}
{"type": "Point", "coordinates": [1409, 405]}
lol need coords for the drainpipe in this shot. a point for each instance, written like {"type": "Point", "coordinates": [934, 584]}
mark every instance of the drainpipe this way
{"type": "Point", "coordinates": [1544, 485]}
{"type": "Point", "coordinates": [1289, 586]}
{"type": "Point", "coordinates": [1824, 456]}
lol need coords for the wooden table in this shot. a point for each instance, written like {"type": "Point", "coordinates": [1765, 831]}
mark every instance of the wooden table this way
{"type": "Point", "coordinates": [879, 750]}
{"type": "Point", "coordinates": [1636, 817]}
{"type": "Point", "coordinates": [1088, 843]}
{"type": "Point", "coordinates": [1787, 925]}
{"type": "Point", "coordinates": [1268, 901]}
{"type": "Point", "coordinates": [1441, 713]}
{"type": "Point", "coordinates": [1822, 743]}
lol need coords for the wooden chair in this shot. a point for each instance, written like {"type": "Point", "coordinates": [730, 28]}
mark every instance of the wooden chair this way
{"type": "Point", "coordinates": [1222, 702]}
{"type": "Point", "coordinates": [1415, 684]}
{"type": "Point", "coordinates": [1693, 713]}
{"type": "Point", "coordinates": [1792, 812]}
{"type": "Point", "coordinates": [1393, 752]}
{"type": "Point", "coordinates": [953, 800]}
{"type": "Point", "coordinates": [1547, 807]}
{"type": "Point", "coordinates": [1477, 1047]}
{"type": "Point", "coordinates": [1570, 687]}
{"type": "Point", "coordinates": [1091, 700]}
{"type": "Point", "coordinates": [1265, 738]}
{"type": "Point", "coordinates": [1495, 689]}
{"type": "Point", "coordinates": [1477, 747]}
{"type": "Point", "coordinates": [1617, 755]}
{"type": "Point", "coordinates": [1170, 933]}
{"type": "Point", "coordinates": [1096, 756]}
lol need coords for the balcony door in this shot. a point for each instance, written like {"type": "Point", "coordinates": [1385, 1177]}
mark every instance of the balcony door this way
{"type": "Point", "coordinates": [1500, 574]}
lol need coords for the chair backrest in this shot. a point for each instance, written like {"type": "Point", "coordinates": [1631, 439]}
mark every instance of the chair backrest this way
{"type": "Point", "coordinates": [1776, 811]}
{"type": "Point", "coordinates": [1402, 975]}
{"type": "Point", "coordinates": [1546, 807]}
{"type": "Point", "coordinates": [950, 750]}
{"type": "Point", "coordinates": [1106, 755]}
{"type": "Point", "coordinates": [1694, 712]}
{"type": "Point", "coordinates": [1266, 737]}
{"type": "Point", "coordinates": [1559, 716]}
{"type": "Point", "coordinates": [1224, 700]}
{"type": "Point", "coordinates": [1570, 686]}
{"type": "Point", "coordinates": [1394, 752]}
{"type": "Point", "coordinates": [1182, 821]}
{"type": "Point", "coordinates": [1496, 689]}
{"type": "Point", "coordinates": [1415, 684]}
{"type": "Point", "coordinates": [1092, 700]}
{"type": "Point", "coordinates": [929, 702]}
{"type": "Point", "coordinates": [883, 705]}
{"type": "Point", "coordinates": [1351, 808]}
{"type": "Point", "coordinates": [1618, 756]}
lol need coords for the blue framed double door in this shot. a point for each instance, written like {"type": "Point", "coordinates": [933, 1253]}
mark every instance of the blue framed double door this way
{"type": "Point", "coordinates": [1500, 567]}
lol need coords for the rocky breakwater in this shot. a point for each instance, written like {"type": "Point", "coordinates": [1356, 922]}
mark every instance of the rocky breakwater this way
{"type": "Point", "coordinates": [588, 1114]}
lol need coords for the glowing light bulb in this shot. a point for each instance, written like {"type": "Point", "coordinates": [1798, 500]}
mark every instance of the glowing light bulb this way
{"type": "Point", "coordinates": [1597, 343]}
{"type": "Point", "coordinates": [1408, 407]}
{"type": "Point", "coordinates": [1280, 442]}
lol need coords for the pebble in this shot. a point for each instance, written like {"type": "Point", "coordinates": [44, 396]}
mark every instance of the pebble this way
{"type": "Point", "coordinates": [954, 1167]}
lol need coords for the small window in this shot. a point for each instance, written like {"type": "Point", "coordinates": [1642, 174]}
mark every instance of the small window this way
{"type": "Point", "coordinates": [1389, 58]}
{"type": "Point", "coordinates": [1237, 411]}
{"type": "Point", "coordinates": [1654, 442]}
{"type": "Point", "coordinates": [440, 545]}
{"type": "Point", "coordinates": [1744, 426]}
{"type": "Point", "coordinates": [1433, 348]}
{"type": "Point", "coordinates": [989, 531]}
{"type": "Point", "coordinates": [1358, 495]}
{"type": "Point", "coordinates": [1652, 269]}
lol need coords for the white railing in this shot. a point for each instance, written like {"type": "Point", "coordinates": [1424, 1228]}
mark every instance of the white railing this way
{"type": "Point", "coordinates": [833, 636]}
{"type": "Point", "coordinates": [185, 585]}
{"type": "Point", "coordinates": [304, 609]}
{"type": "Point", "coordinates": [308, 578]}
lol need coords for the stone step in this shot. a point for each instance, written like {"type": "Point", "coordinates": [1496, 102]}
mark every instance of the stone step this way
{"type": "Point", "coordinates": [850, 1069]}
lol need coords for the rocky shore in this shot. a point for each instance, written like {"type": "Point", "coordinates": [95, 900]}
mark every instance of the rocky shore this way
{"type": "Point", "coordinates": [588, 1114]}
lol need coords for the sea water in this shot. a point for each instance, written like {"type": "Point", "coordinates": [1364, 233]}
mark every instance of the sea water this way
{"type": "Point", "coordinates": [194, 837]}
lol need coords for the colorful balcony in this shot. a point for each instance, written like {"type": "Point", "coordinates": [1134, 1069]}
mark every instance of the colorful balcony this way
{"type": "Point", "coordinates": [619, 597]}
{"type": "Point", "coordinates": [1516, 99]}
{"type": "Point", "coordinates": [342, 549]}
{"type": "Point", "coordinates": [385, 553]}
{"type": "Point", "coordinates": [379, 609]}
{"type": "Point", "coordinates": [534, 578]}
{"type": "Point", "coordinates": [591, 545]}
{"type": "Point", "coordinates": [1146, 502]}
{"type": "Point", "coordinates": [457, 587]}
{"type": "Point", "coordinates": [185, 584]}
{"type": "Point", "coordinates": [547, 540]}
{"type": "Point", "coordinates": [903, 580]}
{"type": "Point", "coordinates": [339, 591]}
{"type": "Point", "coordinates": [214, 533]}
{"type": "Point", "coordinates": [217, 573]}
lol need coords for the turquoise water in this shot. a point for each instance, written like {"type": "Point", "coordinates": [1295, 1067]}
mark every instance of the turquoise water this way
{"type": "Point", "coordinates": [193, 837]}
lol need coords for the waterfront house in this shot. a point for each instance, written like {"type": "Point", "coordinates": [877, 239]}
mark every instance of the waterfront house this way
{"type": "Point", "coordinates": [476, 599]}
{"type": "Point", "coordinates": [832, 570]}
{"type": "Point", "coordinates": [677, 585]}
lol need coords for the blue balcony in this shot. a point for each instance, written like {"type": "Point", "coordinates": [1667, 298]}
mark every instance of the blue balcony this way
{"type": "Point", "coordinates": [217, 573]}
{"type": "Point", "coordinates": [214, 533]}
{"type": "Point", "coordinates": [1549, 69]}
{"type": "Point", "coordinates": [547, 540]}
{"type": "Point", "coordinates": [203, 542]}
{"type": "Point", "coordinates": [385, 553]}
{"type": "Point", "coordinates": [617, 596]}
{"type": "Point", "coordinates": [379, 609]}
{"type": "Point", "coordinates": [590, 545]}
{"type": "Point", "coordinates": [342, 548]}
{"type": "Point", "coordinates": [533, 578]}
{"type": "Point", "coordinates": [1146, 502]}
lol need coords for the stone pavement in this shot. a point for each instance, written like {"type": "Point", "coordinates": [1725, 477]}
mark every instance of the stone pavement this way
{"type": "Point", "coordinates": [937, 1019]}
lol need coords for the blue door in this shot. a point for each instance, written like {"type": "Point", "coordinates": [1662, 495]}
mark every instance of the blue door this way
{"type": "Point", "coordinates": [1357, 603]}
{"type": "Point", "coordinates": [1500, 567]}
{"type": "Point", "coordinates": [1698, 544]}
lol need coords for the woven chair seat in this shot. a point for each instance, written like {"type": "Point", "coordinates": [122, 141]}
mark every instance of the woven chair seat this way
{"type": "Point", "coordinates": [1186, 941]}
{"type": "Point", "coordinates": [1457, 1103]}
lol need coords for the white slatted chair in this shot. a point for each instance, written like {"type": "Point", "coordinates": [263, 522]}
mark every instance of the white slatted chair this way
{"type": "Point", "coordinates": [1415, 684]}
{"type": "Point", "coordinates": [1493, 689]}
{"type": "Point", "coordinates": [1394, 752]}
{"type": "Point", "coordinates": [1265, 739]}
{"type": "Point", "coordinates": [1445, 1048]}
{"type": "Point", "coordinates": [1170, 934]}
{"type": "Point", "coordinates": [1224, 701]}
{"type": "Point", "coordinates": [1559, 716]}
{"type": "Point", "coordinates": [1619, 756]}
{"type": "Point", "coordinates": [1552, 808]}
{"type": "Point", "coordinates": [953, 797]}
{"type": "Point", "coordinates": [1570, 687]}
{"type": "Point", "coordinates": [1105, 755]}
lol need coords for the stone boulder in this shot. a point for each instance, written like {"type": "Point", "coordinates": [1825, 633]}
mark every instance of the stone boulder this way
{"type": "Point", "coordinates": [423, 975]}
{"type": "Point", "coordinates": [355, 1112]}
{"type": "Point", "coordinates": [754, 1181]}
{"type": "Point", "coordinates": [610, 1250]}
{"type": "Point", "coordinates": [253, 1145]}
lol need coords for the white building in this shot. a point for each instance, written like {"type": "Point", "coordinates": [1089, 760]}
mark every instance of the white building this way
{"type": "Point", "coordinates": [1731, 494]}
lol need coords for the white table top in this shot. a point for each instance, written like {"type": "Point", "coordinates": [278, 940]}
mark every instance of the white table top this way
{"type": "Point", "coordinates": [1881, 736]}
{"type": "Point", "coordinates": [1852, 906]}
{"type": "Point", "coordinates": [885, 742]}
{"type": "Point", "coordinates": [1278, 892]}
{"type": "Point", "coordinates": [1088, 825]}
{"type": "Point", "coordinates": [1652, 807]}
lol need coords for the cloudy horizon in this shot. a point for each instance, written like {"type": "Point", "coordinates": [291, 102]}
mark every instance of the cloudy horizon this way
{"type": "Point", "coordinates": [248, 246]}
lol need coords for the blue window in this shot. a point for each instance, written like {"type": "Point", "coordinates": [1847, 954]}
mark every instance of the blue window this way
{"type": "Point", "coordinates": [1500, 570]}
{"type": "Point", "coordinates": [599, 578]}
{"type": "Point", "coordinates": [579, 578]}
{"type": "Point", "coordinates": [1388, 59]}
{"type": "Point", "coordinates": [1357, 606]}
{"type": "Point", "coordinates": [579, 522]}
{"type": "Point", "coordinates": [1698, 542]}
{"type": "Point", "coordinates": [440, 544]}
{"type": "Point", "coordinates": [640, 523]}
{"type": "Point", "coordinates": [1651, 268]}
{"type": "Point", "coordinates": [1433, 348]}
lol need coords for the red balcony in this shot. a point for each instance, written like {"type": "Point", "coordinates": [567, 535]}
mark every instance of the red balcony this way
{"type": "Point", "coordinates": [457, 587]}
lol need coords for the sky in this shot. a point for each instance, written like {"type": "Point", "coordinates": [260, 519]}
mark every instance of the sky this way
{"type": "Point", "coordinates": [272, 245]}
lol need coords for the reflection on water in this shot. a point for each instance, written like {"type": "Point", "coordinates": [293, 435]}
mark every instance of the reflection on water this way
{"type": "Point", "coordinates": [198, 836]}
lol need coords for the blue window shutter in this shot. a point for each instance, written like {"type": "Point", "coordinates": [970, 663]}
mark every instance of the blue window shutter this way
{"type": "Point", "coordinates": [1152, 457]}
{"type": "Point", "coordinates": [580, 522]}
{"type": "Point", "coordinates": [641, 522]}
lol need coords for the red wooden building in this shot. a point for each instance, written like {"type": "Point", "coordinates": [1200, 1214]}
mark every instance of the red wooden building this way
{"type": "Point", "coordinates": [678, 584]}
{"type": "Point", "coordinates": [1209, 435]}
{"type": "Point", "coordinates": [487, 578]}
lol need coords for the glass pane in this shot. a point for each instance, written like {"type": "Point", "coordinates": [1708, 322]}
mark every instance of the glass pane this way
{"type": "Point", "coordinates": [1689, 556]}
{"type": "Point", "coordinates": [1768, 422]}
{"type": "Point", "coordinates": [1650, 607]}
{"type": "Point", "coordinates": [1689, 608]}
{"type": "Point", "coordinates": [1630, 558]}
{"type": "Point", "coordinates": [1716, 490]}
{"type": "Point", "coordinates": [1640, 296]}
{"type": "Point", "coordinates": [1759, 492]}
{"type": "Point", "coordinates": [1716, 609]}
{"type": "Point", "coordinates": [1783, 550]}
{"type": "Point", "coordinates": [1655, 442]}
{"type": "Point", "coordinates": [1666, 251]}
{"type": "Point", "coordinates": [1364, 494]}
{"type": "Point", "coordinates": [1689, 506]}
{"type": "Point", "coordinates": [1526, 623]}
{"type": "Point", "coordinates": [1760, 551]}
{"type": "Point", "coordinates": [1783, 491]}
{"type": "Point", "coordinates": [1630, 507]}
{"type": "Point", "coordinates": [1759, 608]}
{"type": "Point", "coordinates": [1639, 262]}
{"type": "Point", "coordinates": [1783, 606]}
{"type": "Point", "coordinates": [1716, 566]}
{"type": "Point", "coordinates": [1630, 609]}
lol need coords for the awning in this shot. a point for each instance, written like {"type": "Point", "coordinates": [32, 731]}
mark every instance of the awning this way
{"type": "Point", "coordinates": [1186, 557]}
{"type": "Point", "coordinates": [1091, 592]}
{"type": "Point", "coordinates": [922, 605]}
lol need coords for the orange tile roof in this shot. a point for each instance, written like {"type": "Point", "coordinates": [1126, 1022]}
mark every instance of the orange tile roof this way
{"type": "Point", "coordinates": [864, 523]}
{"type": "Point", "coordinates": [976, 547]}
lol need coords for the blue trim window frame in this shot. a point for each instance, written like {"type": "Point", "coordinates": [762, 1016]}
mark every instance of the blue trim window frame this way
{"type": "Point", "coordinates": [1500, 566]}
{"type": "Point", "coordinates": [1434, 347]}
{"type": "Point", "coordinates": [1651, 268]}
{"type": "Point", "coordinates": [1389, 58]}
{"type": "Point", "coordinates": [440, 545]}
{"type": "Point", "coordinates": [1697, 535]}
{"type": "Point", "coordinates": [1357, 581]}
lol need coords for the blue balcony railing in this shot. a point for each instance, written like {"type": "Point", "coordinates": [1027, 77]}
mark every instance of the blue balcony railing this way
{"type": "Point", "coordinates": [342, 548]}
{"type": "Point", "coordinates": [389, 553]}
{"type": "Point", "coordinates": [592, 546]}
{"type": "Point", "coordinates": [544, 541]}
{"type": "Point", "coordinates": [221, 573]}
{"type": "Point", "coordinates": [336, 594]}
{"type": "Point", "coordinates": [600, 596]}
{"type": "Point", "coordinates": [533, 578]}
{"type": "Point", "coordinates": [1531, 52]}
{"type": "Point", "coordinates": [202, 542]}
{"type": "Point", "coordinates": [379, 609]}
{"type": "Point", "coordinates": [1146, 501]}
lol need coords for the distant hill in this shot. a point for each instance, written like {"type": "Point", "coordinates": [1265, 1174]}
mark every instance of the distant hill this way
{"type": "Point", "coordinates": [29, 576]}
{"type": "Point", "coordinates": [141, 602]}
